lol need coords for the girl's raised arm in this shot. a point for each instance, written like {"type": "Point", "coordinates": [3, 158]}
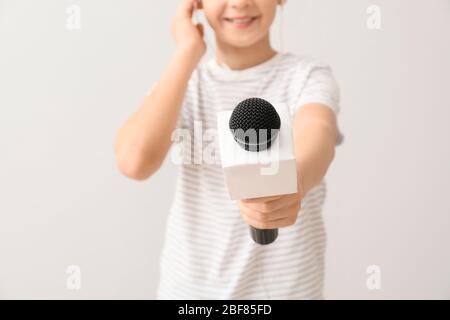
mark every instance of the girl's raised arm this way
{"type": "Point", "coordinates": [143, 141]}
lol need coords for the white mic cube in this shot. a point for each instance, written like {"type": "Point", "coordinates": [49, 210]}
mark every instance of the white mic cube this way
{"type": "Point", "coordinates": [251, 174]}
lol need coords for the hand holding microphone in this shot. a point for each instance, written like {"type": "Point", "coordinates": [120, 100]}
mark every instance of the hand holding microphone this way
{"type": "Point", "coordinates": [269, 213]}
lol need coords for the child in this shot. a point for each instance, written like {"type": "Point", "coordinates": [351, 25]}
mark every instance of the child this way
{"type": "Point", "coordinates": [208, 252]}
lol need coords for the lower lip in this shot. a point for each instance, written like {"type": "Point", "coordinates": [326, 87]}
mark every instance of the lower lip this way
{"type": "Point", "coordinates": [241, 25]}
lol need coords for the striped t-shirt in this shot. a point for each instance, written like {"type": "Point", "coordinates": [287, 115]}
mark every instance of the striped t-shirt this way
{"type": "Point", "coordinates": [208, 252]}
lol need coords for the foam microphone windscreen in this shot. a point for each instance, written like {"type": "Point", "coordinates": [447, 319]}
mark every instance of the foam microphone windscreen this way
{"type": "Point", "coordinates": [255, 124]}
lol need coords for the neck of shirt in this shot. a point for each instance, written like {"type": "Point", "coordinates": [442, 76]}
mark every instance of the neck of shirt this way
{"type": "Point", "coordinates": [223, 72]}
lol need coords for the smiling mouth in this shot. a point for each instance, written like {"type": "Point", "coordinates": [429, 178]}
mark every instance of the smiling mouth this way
{"type": "Point", "coordinates": [241, 23]}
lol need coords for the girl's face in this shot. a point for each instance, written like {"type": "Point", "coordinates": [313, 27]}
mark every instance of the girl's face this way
{"type": "Point", "coordinates": [222, 16]}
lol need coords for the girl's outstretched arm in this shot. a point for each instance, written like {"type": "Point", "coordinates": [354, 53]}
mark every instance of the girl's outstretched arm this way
{"type": "Point", "coordinates": [315, 133]}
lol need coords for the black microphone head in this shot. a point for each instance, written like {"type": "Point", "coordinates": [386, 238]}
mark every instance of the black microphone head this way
{"type": "Point", "coordinates": [254, 124]}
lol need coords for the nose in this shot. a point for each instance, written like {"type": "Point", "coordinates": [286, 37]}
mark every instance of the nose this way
{"type": "Point", "coordinates": [239, 3]}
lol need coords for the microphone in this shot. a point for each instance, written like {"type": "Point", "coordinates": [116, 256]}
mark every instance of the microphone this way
{"type": "Point", "coordinates": [253, 136]}
{"type": "Point", "coordinates": [254, 124]}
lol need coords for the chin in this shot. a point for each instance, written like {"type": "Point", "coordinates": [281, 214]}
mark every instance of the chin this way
{"type": "Point", "coordinates": [241, 43]}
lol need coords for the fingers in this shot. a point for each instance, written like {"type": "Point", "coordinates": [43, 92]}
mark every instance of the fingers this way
{"type": "Point", "coordinates": [274, 204]}
{"type": "Point", "coordinates": [263, 216]}
{"type": "Point", "coordinates": [198, 4]}
{"type": "Point", "coordinates": [186, 8]}
{"type": "Point", "coordinates": [276, 219]}
{"type": "Point", "coordinates": [261, 199]}
{"type": "Point", "coordinates": [279, 223]}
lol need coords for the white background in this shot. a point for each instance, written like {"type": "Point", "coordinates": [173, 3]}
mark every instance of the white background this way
{"type": "Point", "coordinates": [63, 95]}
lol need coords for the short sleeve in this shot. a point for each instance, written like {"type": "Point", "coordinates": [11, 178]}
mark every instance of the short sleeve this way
{"type": "Point", "coordinates": [317, 85]}
{"type": "Point", "coordinates": [320, 87]}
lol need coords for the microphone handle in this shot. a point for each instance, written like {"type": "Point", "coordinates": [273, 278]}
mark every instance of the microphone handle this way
{"type": "Point", "coordinates": [263, 236]}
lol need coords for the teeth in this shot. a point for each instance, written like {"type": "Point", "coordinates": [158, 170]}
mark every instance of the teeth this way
{"type": "Point", "coordinates": [241, 20]}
